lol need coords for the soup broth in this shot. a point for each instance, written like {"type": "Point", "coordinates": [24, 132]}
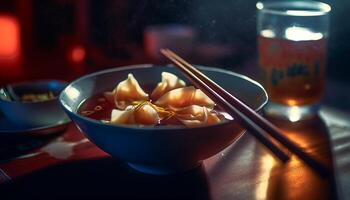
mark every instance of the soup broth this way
{"type": "Point", "coordinates": [99, 108]}
{"type": "Point", "coordinates": [179, 106]}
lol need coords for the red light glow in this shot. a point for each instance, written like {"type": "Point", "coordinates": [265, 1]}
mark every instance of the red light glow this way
{"type": "Point", "coordinates": [9, 37]}
{"type": "Point", "coordinates": [78, 54]}
{"type": "Point", "coordinates": [10, 47]}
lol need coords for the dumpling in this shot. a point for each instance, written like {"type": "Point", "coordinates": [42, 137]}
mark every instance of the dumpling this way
{"type": "Point", "coordinates": [193, 116]}
{"type": "Point", "coordinates": [143, 114]}
{"type": "Point", "coordinates": [146, 115]}
{"type": "Point", "coordinates": [169, 82]}
{"type": "Point", "coordinates": [122, 116]}
{"type": "Point", "coordinates": [183, 97]}
{"type": "Point", "coordinates": [127, 92]}
{"type": "Point", "coordinates": [172, 103]}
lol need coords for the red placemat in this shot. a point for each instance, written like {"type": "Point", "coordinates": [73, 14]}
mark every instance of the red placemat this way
{"type": "Point", "coordinates": [69, 146]}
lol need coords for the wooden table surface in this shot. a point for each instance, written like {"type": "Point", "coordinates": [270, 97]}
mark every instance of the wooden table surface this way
{"type": "Point", "coordinates": [69, 165]}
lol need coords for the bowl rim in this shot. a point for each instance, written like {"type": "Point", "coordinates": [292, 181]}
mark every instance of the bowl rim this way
{"type": "Point", "coordinates": [147, 128]}
{"type": "Point", "coordinates": [63, 83]}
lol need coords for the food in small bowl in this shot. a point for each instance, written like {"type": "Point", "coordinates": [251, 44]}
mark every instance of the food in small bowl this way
{"type": "Point", "coordinates": [157, 125]}
{"type": "Point", "coordinates": [33, 104]}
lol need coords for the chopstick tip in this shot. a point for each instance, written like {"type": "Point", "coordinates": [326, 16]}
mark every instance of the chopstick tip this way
{"type": "Point", "coordinates": [163, 51]}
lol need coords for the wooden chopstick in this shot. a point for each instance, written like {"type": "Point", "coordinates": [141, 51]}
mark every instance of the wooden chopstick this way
{"type": "Point", "coordinates": [254, 129]}
{"type": "Point", "coordinates": [256, 124]}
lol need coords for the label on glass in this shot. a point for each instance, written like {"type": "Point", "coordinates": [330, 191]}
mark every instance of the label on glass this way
{"type": "Point", "coordinates": [294, 70]}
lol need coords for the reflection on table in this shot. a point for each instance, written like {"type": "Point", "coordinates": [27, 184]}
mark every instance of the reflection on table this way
{"type": "Point", "coordinates": [247, 170]}
{"type": "Point", "coordinates": [244, 170]}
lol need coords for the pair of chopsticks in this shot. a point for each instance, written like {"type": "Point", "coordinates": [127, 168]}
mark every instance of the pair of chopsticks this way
{"type": "Point", "coordinates": [252, 121]}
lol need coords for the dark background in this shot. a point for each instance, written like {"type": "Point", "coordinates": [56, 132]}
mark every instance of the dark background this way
{"type": "Point", "coordinates": [111, 34]}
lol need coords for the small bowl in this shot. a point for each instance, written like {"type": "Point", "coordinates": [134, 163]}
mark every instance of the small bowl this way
{"type": "Point", "coordinates": [158, 150]}
{"type": "Point", "coordinates": [35, 114]}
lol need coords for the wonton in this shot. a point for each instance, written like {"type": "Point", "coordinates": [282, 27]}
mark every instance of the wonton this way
{"type": "Point", "coordinates": [170, 101]}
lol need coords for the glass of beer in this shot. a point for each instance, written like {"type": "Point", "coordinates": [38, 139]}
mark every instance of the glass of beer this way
{"type": "Point", "coordinates": [292, 46]}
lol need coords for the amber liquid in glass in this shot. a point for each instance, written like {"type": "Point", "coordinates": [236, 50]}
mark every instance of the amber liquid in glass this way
{"type": "Point", "coordinates": [294, 71]}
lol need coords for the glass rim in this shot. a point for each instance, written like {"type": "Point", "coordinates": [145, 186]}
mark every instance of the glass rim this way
{"type": "Point", "coordinates": [294, 8]}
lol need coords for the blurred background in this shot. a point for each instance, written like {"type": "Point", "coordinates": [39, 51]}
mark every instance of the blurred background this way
{"type": "Point", "coordinates": [64, 39]}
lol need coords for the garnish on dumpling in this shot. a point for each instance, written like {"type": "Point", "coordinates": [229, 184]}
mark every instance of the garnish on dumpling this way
{"type": "Point", "coordinates": [169, 82]}
{"type": "Point", "coordinates": [146, 114]}
{"type": "Point", "coordinates": [143, 114]}
{"type": "Point", "coordinates": [171, 103]}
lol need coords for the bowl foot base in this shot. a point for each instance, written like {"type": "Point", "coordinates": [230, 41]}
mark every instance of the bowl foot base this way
{"type": "Point", "coordinates": [161, 170]}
